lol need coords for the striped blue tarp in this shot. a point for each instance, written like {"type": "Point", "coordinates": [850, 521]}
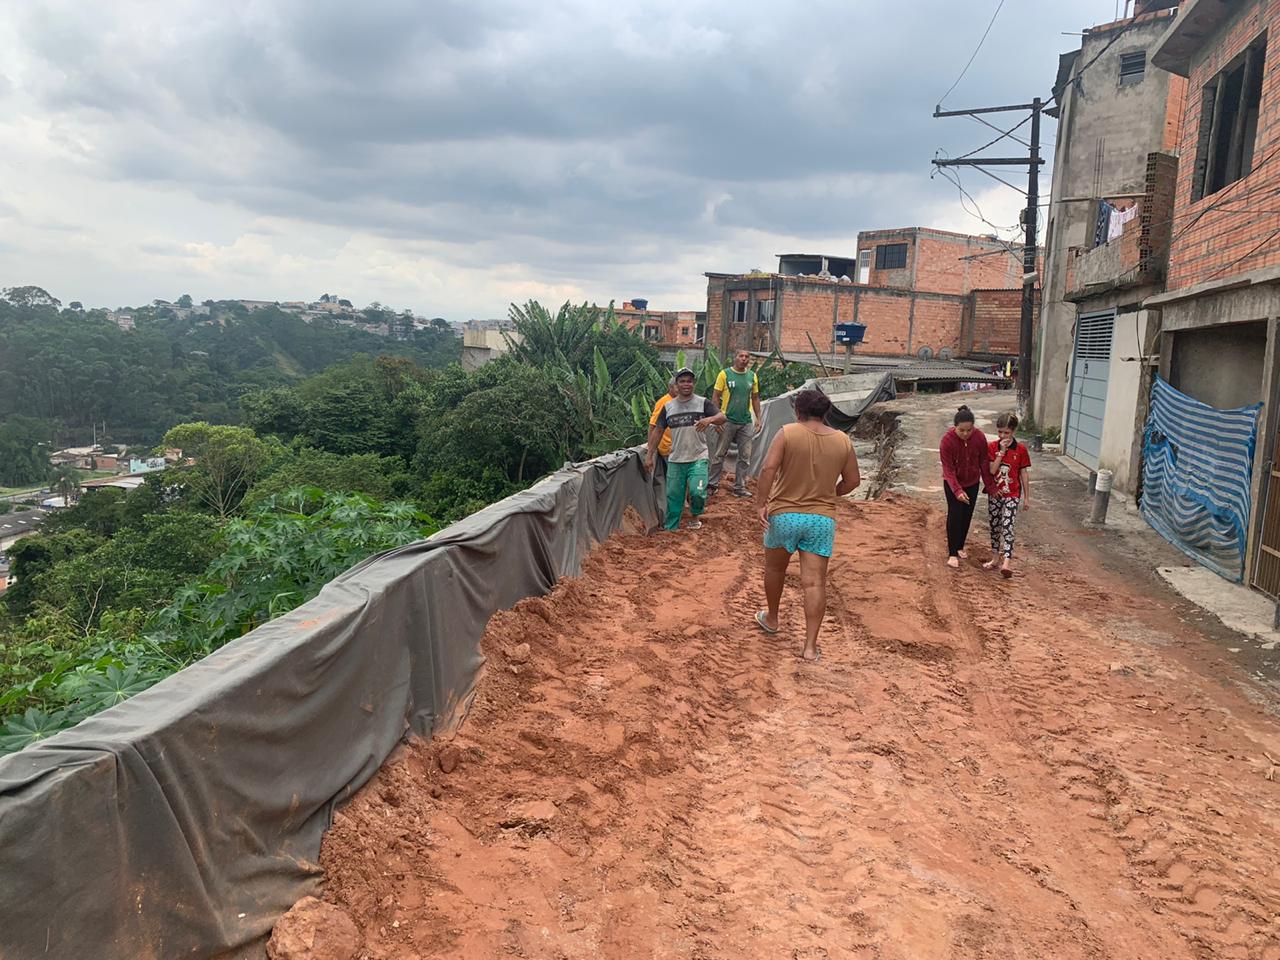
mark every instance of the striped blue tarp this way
{"type": "Point", "coordinates": [1196, 472]}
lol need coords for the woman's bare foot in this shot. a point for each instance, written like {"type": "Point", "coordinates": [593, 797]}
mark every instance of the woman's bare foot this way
{"type": "Point", "coordinates": [953, 562]}
{"type": "Point", "coordinates": [1006, 568]}
{"type": "Point", "coordinates": [962, 554]}
{"type": "Point", "coordinates": [991, 564]}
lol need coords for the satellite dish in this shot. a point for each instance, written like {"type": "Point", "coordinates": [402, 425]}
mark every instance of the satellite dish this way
{"type": "Point", "coordinates": [945, 353]}
{"type": "Point", "coordinates": [925, 353]}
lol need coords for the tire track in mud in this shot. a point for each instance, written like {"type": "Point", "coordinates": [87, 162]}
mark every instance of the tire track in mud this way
{"type": "Point", "coordinates": [960, 776]}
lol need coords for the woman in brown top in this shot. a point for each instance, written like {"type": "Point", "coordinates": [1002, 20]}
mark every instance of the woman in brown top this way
{"type": "Point", "coordinates": [809, 466]}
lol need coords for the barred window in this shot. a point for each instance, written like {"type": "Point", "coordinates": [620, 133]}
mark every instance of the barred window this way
{"type": "Point", "coordinates": [891, 256]}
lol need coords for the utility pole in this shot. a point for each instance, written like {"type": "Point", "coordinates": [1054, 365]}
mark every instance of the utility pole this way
{"type": "Point", "coordinates": [1033, 162]}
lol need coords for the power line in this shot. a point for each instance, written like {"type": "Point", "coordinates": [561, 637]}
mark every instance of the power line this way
{"type": "Point", "coordinates": [999, 7]}
{"type": "Point", "coordinates": [1003, 134]}
{"type": "Point", "coordinates": [1267, 239]}
{"type": "Point", "coordinates": [1053, 96]}
{"type": "Point", "coordinates": [1002, 180]}
{"type": "Point", "coordinates": [967, 199]}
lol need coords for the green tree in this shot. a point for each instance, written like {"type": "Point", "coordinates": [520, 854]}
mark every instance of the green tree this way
{"type": "Point", "coordinates": [185, 300]}
{"type": "Point", "coordinates": [24, 451]}
{"type": "Point", "coordinates": [227, 460]}
{"type": "Point", "coordinates": [519, 426]}
{"type": "Point", "coordinates": [64, 480]}
{"type": "Point", "coordinates": [29, 296]}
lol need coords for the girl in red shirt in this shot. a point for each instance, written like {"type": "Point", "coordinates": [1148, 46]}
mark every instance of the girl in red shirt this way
{"type": "Point", "coordinates": [1008, 488]}
{"type": "Point", "coordinates": [964, 454]}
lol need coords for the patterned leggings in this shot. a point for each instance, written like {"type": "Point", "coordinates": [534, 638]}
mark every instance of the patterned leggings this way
{"type": "Point", "coordinates": [1003, 512]}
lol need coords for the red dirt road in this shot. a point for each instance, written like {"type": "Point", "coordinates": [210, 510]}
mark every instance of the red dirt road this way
{"type": "Point", "coordinates": [975, 769]}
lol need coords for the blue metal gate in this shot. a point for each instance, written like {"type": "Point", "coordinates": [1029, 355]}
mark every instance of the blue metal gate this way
{"type": "Point", "coordinates": [1090, 370]}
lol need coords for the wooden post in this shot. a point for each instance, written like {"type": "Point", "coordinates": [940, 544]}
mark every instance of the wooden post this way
{"type": "Point", "coordinates": [825, 373]}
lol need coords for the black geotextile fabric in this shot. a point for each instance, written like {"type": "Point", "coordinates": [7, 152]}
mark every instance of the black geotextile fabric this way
{"type": "Point", "coordinates": [184, 821]}
{"type": "Point", "coordinates": [851, 395]}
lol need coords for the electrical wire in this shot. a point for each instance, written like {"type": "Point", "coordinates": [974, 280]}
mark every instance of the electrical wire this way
{"type": "Point", "coordinates": [999, 7]}
{"type": "Point", "coordinates": [1002, 180]}
{"type": "Point", "coordinates": [1267, 239]}
{"type": "Point", "coordinates": [1003, 133]}
{"type": "Point", "coordinates": [953, 177]}
{"type": "Point", "coordinates": [1025, 120]}
{"type": "Point", "coordinates": [1053, 96]}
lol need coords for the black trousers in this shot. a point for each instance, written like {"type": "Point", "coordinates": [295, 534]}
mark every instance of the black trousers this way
{"type": "Point", "coordinates": [959, 516]}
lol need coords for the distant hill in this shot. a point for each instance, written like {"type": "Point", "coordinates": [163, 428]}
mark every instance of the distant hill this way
{"type": "Point", "coordinates": [75, 368]}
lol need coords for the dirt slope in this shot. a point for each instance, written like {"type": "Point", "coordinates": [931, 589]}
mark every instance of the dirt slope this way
{"type": "Point", "coordinates": [975, 769]}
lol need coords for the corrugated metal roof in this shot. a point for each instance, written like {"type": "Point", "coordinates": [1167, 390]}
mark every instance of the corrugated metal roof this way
{"type": "Point", "coordinates": [941, 372]}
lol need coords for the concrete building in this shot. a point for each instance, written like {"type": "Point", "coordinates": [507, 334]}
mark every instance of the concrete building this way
{"type": "Point", "coordinates": [1119, 117]}
{"type": "Point", "coordinates": [1220, 311]}
{"type": "Point", "coordinates": [485, 340]}
{"type": "Point", "coordinates": [921, 292]}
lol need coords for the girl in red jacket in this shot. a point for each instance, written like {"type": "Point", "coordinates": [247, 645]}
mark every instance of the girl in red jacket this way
{"type": "Point", "coordinates": [965, 458]}
{"type": "Point", "coordinates": [1008, 488]}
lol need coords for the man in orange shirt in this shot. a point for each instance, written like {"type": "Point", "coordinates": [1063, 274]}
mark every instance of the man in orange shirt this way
{"type": "Point", "coordinates": [664, 445]}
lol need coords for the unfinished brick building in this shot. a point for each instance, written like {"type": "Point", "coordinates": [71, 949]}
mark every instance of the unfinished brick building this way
{"type": "Point", "coordinates": [920, 292]}
{"type": "Point", "coordinates": [1219, 316]}
{"type": "Point", "coordinates": [683, 328]}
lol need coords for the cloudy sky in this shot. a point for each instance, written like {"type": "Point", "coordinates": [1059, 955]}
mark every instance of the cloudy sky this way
{"type": "Point", "coordinates": [452, 157]}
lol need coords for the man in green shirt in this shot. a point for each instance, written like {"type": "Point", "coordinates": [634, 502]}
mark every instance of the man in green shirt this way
{"type": "Point", "coordinates": [737, 393]}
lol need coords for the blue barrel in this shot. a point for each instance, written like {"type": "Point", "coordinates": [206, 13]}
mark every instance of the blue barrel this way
{"type": "Point", "coordinates": [640, 304]}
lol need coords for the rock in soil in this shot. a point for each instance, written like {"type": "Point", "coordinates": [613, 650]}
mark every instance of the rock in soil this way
{"type": "Point", "coordinates": [314, 930]}
{"type": "Point", "coordinates": [449, 758]}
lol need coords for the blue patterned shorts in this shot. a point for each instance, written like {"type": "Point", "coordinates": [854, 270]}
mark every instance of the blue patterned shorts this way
{"type": "Point", "coordinates": [810, 532]}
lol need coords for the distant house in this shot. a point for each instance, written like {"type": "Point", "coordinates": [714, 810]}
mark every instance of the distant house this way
{"type": "Point", "coordinates": [82, 458]}
{"type": "Point", "coordinates": [667, 327]}
{"type": "Point", "coordinates": [128, 481]}
{"type": "Point", "coordinates": [485, 340]}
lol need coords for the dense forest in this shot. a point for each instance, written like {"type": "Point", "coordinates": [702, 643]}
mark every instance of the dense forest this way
{"type": "Point", "coordinates": [291, 479]}
{"type": "Point", "coordinates": [66, 370]}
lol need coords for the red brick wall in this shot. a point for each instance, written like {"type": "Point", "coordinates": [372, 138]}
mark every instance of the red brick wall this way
{"type": "Point", "coordinates": [1221, 242]}
{"type": "Point", "coordinates": [811, 308]}
{"type": "Point", "coordinates": [888, 319]}
{"type": "Point", "coordinates": [993, 320]}
{"type": "Point", "coordinates": [943, 262]}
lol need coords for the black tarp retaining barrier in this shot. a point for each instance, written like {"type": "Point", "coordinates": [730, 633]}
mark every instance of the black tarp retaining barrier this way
{"type": "Point", "coordinates": [850, 396]}
{"type": "Point", "coordinates": [184, 821]}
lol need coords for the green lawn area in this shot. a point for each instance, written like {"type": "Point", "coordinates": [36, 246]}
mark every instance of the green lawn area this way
{"type": "Point", "coordinates": [7, 491]}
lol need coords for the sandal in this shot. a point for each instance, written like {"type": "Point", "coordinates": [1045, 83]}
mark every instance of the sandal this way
{"type": "Point", "coordinates": [760, 615]}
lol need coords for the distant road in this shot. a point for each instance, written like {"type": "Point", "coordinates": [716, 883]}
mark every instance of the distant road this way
{"type": "Point", "coordinates": [24, 495]}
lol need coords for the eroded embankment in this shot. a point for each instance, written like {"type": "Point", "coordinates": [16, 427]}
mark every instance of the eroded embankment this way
{"type": "Point", "coordinates": [975, 769]}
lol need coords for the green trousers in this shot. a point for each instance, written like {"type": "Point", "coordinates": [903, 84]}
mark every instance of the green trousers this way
{"type": "Point", "coordinates": [685, 479]}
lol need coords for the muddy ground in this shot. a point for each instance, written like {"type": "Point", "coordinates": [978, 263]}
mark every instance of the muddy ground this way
{"type": "Point", "coordinates": [1040, 768]}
